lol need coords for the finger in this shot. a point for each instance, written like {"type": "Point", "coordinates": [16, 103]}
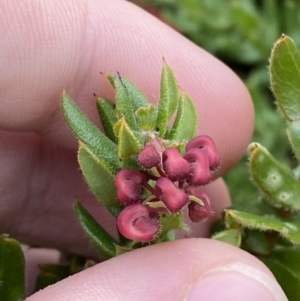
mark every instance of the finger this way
{"type": "Point", "coordinates": [191, 269]}
{"type": "Point", "coordinates": [52, 45]}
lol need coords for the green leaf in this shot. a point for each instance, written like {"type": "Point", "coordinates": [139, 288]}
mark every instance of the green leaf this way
{"type": "Point", "coordinates": [230, 236]}
{"type": "Point", "coordinates": [186, 122]}
{"type": "Point", "coordinates": [293, 132]}
{"type": "Point", "coordinates": [290, 230]}
{"type": "Point", "coordinates": [137, 98]}
{"type": "Point", "coordinates": [274, 179]}
{"type": "Point", "coordinates": [124, 104]}
{"type": "Point", "coordinates": [102, 241]}
{"type": "Point", "coordinates": [12, 270]}
{"type": "Point", "coordinates": [168, 99]}
{"type": "Point", "coordinates": [50, 274]}
{"type": "Point", "coordinates": [108, 117]}
{"type": "Point", "coordinates": [99, 179]}
{"type": "Point", "coordinates": [97, 143]}
{"type": "Point", "coordinates": [257, 242]}
{"type": "Point", "coordinates": [285, 77]}
{"type": "Point", "coordinates": [283, 263]}
{"type": "Point", "coordinates": [130, 142]}
{"type": "Point", "coordinates": [146, 117]}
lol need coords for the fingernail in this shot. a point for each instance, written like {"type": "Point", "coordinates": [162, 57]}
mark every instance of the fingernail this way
{"type": "Point", "coordinates": [234, 282]}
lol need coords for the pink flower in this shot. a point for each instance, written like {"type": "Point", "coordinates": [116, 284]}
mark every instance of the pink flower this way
{"type": "Point", "coordinates": [149, 157]}
{"type": "Point", "coordinates": [197, 212]}
{"type": "Point", "coordinates": [135, 223]}
{"type": "Point", "coordinates": [173, 197]}
{"type": "Point", "coordinates": [200, 173]}
{"type": "Point", "coordinates": [175, 166]}
{"type": "Point", "coordinates": [207, 145]}
{"type": "Point", "coordinates": [129, 188]}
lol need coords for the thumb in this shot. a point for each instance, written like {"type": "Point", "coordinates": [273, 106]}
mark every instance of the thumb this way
{"type": "Point", "coordinates": [189, 269]}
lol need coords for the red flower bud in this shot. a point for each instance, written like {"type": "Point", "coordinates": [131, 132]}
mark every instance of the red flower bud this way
{"type": "Point", "coordinates": [173, 197]}
{"type": "Point", "coordinates": [199, 163]}
{"type": "Point", "coordinates": [175, 166]}
{"type": "Point", "coordinates": [149, 157]}
{"type": "Point", "coordinates": [129, 188]}
{"type": "Point", "coordinates": [197, 212]}
{"type": "Point", "coordinates": [208, 145]}
{"type": "Point", "coordinates": [135, 223]}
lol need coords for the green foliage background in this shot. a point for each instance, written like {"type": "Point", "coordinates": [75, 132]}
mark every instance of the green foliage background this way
{"type": "Point", "coordinates": [242, 34]}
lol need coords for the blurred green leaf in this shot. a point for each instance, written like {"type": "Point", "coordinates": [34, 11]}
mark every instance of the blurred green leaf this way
{"type": "Point", "coordinates": [97, 143]}
{"type": "Point", "coordinates": [284, 264]}
{"type": "Point", "coordinates": [102, 241]}
{"type": "Point", "coordinates": [290, 230]}
{"type": "Point", "coordinates": [99, 179]}
{"type": "Point", "coordinates": [12, 270]}
{"type": "Point", "coordinates": [186, 122]}
{"type": "Point", "coordinates": [106, 110]}
{"type": "Point", "coordinates": [256, 242]}
{"type": "Point", "coordinates": [285, 77]}
{"type": "Point", "coordinates": [129, 142]}
{"type": "Point", "coordinates": [274, 179]}
{"type": "Point", "coordinates": [168, 99]}
{"type": "Point", "coordinates": [124, 103]}
{"type": "Point", "coordinates": [230, 236]}
{"type": "Point", "coordinates": [50, 274]}
{"type": "Point", "coordinates": [146, 117]}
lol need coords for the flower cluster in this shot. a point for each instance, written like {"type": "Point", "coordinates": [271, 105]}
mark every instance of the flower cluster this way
{"type": "Point", "coordinates": [167, 183]}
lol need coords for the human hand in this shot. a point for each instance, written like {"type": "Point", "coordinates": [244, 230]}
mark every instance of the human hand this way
{"type": "Point", "coordinates": [51, 46]}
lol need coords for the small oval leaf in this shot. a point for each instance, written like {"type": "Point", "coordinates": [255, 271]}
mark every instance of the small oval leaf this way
{"type": "Point", "coordinates": [124, 104]}
{"type": "Point", "coordinates": [290, 230]}
{"type": "Point", "coordinates": [99, 179]}
{"type": "Point", "coordinates": [285, 77]}
{"type": "Point", "coordinates": [186, 121]}
{"type": "Point", "coordinates": [146, 117]}
{"type": "Point", "coordinates": [273, 178]}
{"type": "Point", "coordinates": [97, 143]}
{"type": "Point", "coordinates": [230, 236]}
{"type": "Point", "coordinates": [12, 270]}
{"type": "Point", "coordinates": [130, 142]}
{"type": "Point", "coordinates": [102, 241]}
{"type": "Point", "coordinates": [168, 99]}
{"type": "Point", "coordinates": [108, 117]}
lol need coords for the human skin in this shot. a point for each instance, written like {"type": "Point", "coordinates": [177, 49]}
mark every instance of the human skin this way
{"type": "Point", "coordinates": [48, 46]}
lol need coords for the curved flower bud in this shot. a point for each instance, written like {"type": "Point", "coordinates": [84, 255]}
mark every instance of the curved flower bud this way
{"type": "Point", "coordinates": [173, 197]}
{"type": "Point", "coordinates": [148, 157]}
{"type": "Point", "coordinates": [199, 163]}
{"type": "Point", "coordinates": [129, 188]}
{"type": "Point", "coordinates": [135, 223]}
{"type": "Point", "coordinates": [197, 212]}
{"type": "Point", "coordinates": [175, 166]}
{"type": "Point", "coordinates": [208, 145]}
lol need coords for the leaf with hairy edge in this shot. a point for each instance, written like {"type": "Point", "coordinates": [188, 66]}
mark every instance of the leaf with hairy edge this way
{"type": "Point", "coordinates": [99, 179]}
{"type": "Point", "coordinates": [101, 240]}
{"type": "Point", "coordinates": [137, 98]}
{"type": "Point", "coordinates": [230, 236]}
{"type": "Point", "coordinates": [97, 143]}
{"type": "Point", "coordinates": [288, 229]}
{"type": "Point", "coordinates": [130, 142]}
{"type": "Point", "coordinates": [108, 117]}
{"type": "Point", "coordinates": [12, 270]}
{"type": "Point", "coordinates": [274, 179]}
{"type": "Point", "coordinates": [168, 99]}
{"type": "Point", "coordinates": [285, 77]}
{"type": "Point", "coordinates": [186, 121]}
{"type": "Point", "coordinates": [146, 117]}
{"type": "Point", "coordinates": [124, 104]}
{"type": "Point", "coordinates": [283, 264]}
